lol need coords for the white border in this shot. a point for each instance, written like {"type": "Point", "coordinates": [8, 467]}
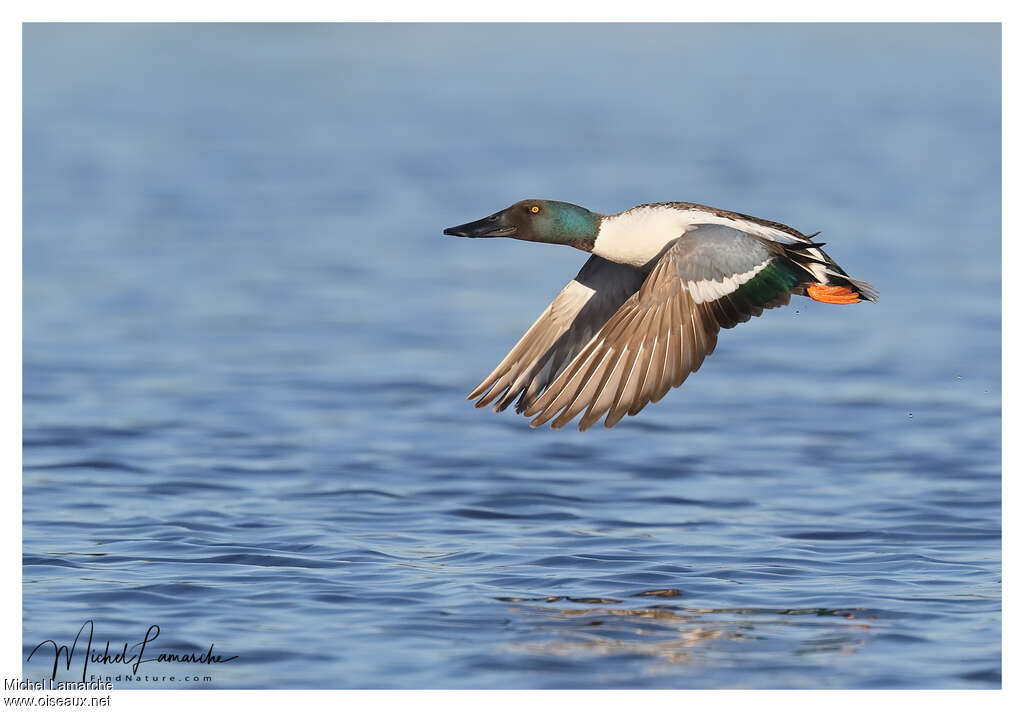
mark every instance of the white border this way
{"type": "Point", "coordinates": [525, 10]}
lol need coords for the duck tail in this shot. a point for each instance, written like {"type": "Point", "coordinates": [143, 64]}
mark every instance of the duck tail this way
{"type": "Point", "coordinates": [829, 283]}
{"type": "Point", "coordinates": [865, 290]}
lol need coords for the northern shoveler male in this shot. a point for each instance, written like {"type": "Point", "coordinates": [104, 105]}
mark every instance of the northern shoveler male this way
{"type": "Point", "coordinates": [645, 309]}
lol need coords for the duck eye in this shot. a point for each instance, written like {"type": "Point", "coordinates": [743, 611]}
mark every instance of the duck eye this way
{"type": "Point", "coordinates": [535, 209]}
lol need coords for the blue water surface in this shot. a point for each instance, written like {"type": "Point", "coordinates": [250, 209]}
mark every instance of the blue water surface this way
{"type": "Point", "coordinates": [247, 348]}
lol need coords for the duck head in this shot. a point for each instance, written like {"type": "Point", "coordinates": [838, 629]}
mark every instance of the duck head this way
{"type": "Point", "coordinates": [537, 221]}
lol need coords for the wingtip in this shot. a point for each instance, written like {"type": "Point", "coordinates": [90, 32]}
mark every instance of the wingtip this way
{"type": "Point", "coordinates": [613, 419]}
{"type": "Point", "coordinates": [531, 409]}
{"type": "Point", "coordinates": [482, 403]}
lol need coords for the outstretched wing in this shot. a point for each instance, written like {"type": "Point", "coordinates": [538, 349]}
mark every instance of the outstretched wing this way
{"type": "Point", "coordinates": [569, 322]}
{"type": "Point", "coordinates": [712, 277]}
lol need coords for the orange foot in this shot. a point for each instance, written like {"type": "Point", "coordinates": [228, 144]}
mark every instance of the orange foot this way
{"type": "Point", "coordinates": [832, 295]}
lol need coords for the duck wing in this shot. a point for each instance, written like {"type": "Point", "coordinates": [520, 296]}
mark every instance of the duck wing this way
{"type": "Point", "coordinates": [565, 327]}
{"type": "Point", "coordinates": [711, 277]}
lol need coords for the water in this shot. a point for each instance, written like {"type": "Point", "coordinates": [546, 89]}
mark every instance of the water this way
{"type": "Point", "coordinates": [247, 348]}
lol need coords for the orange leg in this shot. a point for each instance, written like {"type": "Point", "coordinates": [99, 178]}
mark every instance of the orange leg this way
{"type": "Point", "coordinates": [832, 295]}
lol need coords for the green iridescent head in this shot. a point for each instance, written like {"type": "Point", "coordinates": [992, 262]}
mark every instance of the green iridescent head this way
{"type": "Point", "coordinates": [537, 221]}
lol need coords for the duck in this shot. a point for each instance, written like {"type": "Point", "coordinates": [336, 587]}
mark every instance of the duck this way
{"type": "Point", "coordinates": [645, 309]}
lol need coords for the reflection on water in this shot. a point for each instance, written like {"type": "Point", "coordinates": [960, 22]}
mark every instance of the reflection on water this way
{"type": "Point", "coordinates": [247, 347]}
{"type": "Point", "coordinates": [670, 639]}
{"type": "Point", "coordinates": [675, 635]}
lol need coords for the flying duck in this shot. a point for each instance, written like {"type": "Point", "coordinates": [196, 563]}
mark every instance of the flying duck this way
{"type": "Point", "coordinates": [645, 309]}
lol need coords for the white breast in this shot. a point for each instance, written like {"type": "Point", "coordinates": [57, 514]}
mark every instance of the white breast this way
{"type": "Point", "coordinates": [636, 236]}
